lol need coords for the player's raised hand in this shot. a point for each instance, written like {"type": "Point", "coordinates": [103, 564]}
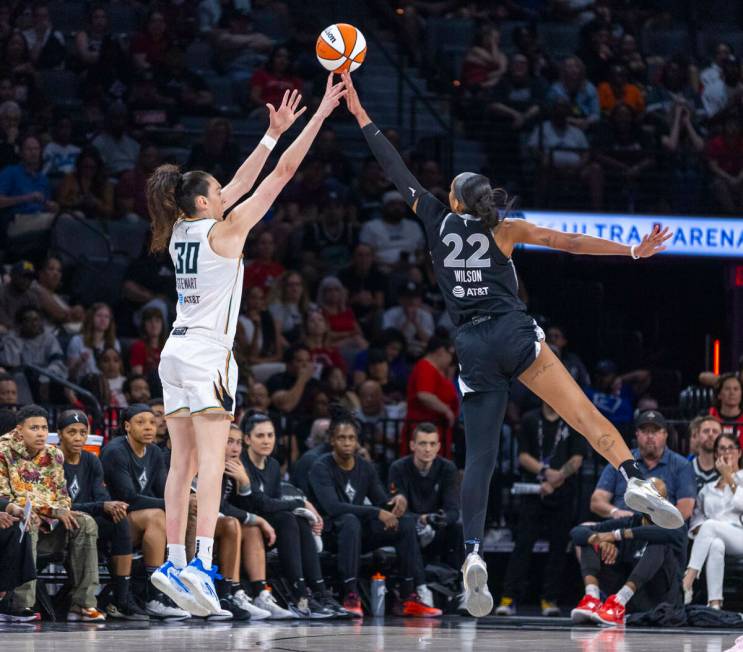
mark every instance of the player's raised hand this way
{"type": "Point", "coordinates": [332, 97]}
{"type": "Point", "coordinates": [353, 102]}
{"type": "Point", "coordinates": [653, 242]}
{"type": "Point", "coordinates": [279, 120]}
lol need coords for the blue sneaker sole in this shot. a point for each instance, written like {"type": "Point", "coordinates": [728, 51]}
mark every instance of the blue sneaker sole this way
{"type": "Point", "coordinates": [162, 583]}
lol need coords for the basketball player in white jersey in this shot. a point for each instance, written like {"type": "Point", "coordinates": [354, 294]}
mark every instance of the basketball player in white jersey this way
{"type": "Point", "coordinates": [197, 369]}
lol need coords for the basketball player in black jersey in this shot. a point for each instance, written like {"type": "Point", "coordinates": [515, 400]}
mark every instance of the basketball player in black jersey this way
{"type": "Point", "coordinates": [471, 242]}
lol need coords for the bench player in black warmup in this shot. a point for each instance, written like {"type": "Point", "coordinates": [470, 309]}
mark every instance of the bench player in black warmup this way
{"type": "Point", "coordinates": [471, 242]}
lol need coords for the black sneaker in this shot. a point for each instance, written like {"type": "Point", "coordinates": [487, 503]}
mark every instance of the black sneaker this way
{"type": "Point", "coordinates": [308, 607]}
{"type": "Point", "coordinates": [327, 600]}
{"type": "Point", "coordinates": [230, 604]}
{"type": "Point", "coordinates": [10, 614]}
{"type": "Point", "coordinates": [129, 610]}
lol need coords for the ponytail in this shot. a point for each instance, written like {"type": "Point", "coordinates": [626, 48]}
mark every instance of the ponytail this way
{"type": "Point", "coordinates": [170, 196]}
{"type": "Point", "coordinates": [490, 205]}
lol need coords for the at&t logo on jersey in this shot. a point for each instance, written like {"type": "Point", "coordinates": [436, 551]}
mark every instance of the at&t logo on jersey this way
{"type": "Point", "coordinates": [458, 291]}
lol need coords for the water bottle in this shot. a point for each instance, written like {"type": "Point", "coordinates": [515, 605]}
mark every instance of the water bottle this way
{"type": "Point", "coordinates": [378, 591]}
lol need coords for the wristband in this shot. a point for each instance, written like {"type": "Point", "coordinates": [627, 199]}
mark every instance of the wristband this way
{"type": "Point", "coordinates": [268, 142]}
{"type": "Point", "coordinates": [632, 252]}
{"type": "Point", "coordinates": [617, 535]}
{"type": "Point", "coordinates": [250, 519]}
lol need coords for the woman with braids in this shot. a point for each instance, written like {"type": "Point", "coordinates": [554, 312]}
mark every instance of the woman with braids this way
{"type": "Point", "coordinates": [198, 373]}
{"type": "Point", "coordinates": [471, 242]}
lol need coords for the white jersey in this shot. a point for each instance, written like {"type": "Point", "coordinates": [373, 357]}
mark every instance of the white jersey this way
{"type": "Point", "coordinates": [209, 286]}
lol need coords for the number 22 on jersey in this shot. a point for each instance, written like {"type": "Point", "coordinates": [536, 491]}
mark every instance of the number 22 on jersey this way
{"type": "Point", "coordinates": [479, 257]}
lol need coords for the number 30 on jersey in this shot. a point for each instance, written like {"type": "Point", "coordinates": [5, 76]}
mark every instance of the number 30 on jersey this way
{"type": "Point", "coordinates": [187, 257]}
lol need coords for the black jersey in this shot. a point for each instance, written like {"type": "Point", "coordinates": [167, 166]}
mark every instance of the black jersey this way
{"type": "Point", "coordinates": [475, 278]}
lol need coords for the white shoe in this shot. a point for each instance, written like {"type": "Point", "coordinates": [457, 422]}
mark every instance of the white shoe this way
{"type": "Point", "coordinates": [200, 582]}
{"type": "Point", "coordinates": [166, 580]}
{"type": "Point", "coordinates": [244, 601]}
{"type": "Point", "coordinates": [642, 496]}
{"type": "Point", "coordinates": [425, 595]}
{"type": "Point", "coordinates": [222, 614]}
{"type": "Point", "coordinates": [165, 611]}
{"type": "Point", "coordinates": [477, 598]}
{"type": "Point", "coordinates": [267, 602]}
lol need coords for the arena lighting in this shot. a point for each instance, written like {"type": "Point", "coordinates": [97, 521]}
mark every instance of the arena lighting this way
{"type": "Point", "coordinates": [716, 358]}
{"type": "Point", "coordinates": [692, 236]}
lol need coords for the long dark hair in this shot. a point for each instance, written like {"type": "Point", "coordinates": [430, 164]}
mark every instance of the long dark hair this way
{"type": "Point", "coordinates": [720, 384]}
{"type": "Point", "coordinates": [170, 195]}
{"type": "Point", "coordinates": [474, 192]}
{"type": "Point", "coordinates": [99, 181]}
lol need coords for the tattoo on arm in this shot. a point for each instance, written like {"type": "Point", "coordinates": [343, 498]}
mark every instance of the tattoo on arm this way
{"type": "Point", "coordinates": [605, 443]}
{"type": "Point", "coordinates": [569, 468]}
{"type": "Point", "coordinates": [544, 368]}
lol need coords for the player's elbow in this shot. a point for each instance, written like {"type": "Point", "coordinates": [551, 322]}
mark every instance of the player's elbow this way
{"type": "Point", "coordinates": [285, 169]}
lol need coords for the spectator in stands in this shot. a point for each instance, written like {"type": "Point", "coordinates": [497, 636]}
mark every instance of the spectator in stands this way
{"type": "Point", "coordinates": [263, 270]}
{"type": "Point", "coordinates": [563, 154]}
{"type": "Point", "coordinates": [258, 398]}
{"type": "Point", "coordinates": [714, 73]}
{"type": "Point", "coordinates": [238, 47]}
{"type": "Point", "coordinates": [31, 345]}
{"type": "Point", "coordinates": [259, 340]}
{"type": "Point", "coordinates": [728, 406]}
{"type": "Point", "coordinates": [395, 239]}
{"type": "Point", "coordinates": [656, 460]}
{"type": "Point", "coordinates": [131, 201]}
{"type": "Point", "coordinates": [344, 331]}
{"type": "Point", "coordinates": [292, 391]}
{"type": "Point", "coordinates": [295, 521]}
{"type": "Point", "coordinates": [16, 561]}
{"type": "Point", "coordinates": [341, 482]}
{"type": "Point", "coordinates": [84, 476]}
{"type": "Point", "coordinates": [185, 87]}
{"type": "Point", "coordinates": [10, 122]}
{"type": "Point", "coordinates": [410, 318]}
{"type": "Point", "coordinates": [31, 469]}
{"type": "Point", "coordinates": [17, 61]}
{"type": "Point", "coordinates": [162, 438]}
{"type": "Point", "coordinates": [25, 190]}
{"type": "Point", "coordinates": [581, 94]}
{"type": "Point", "coordinates": [609, 553]}
{"type": "Point", "coordinates": [328, 242]}
{"type": "Point", "coordinates": [485, 63]}
{"type": "Point", "coordinates": [614, 395]}
{"type": "Point", "coordinates": [8, 390]}
{"type": "Point", "coordinates": [150, 46]}
{"type": "Point", "coordinates": [151, 108]}
{"type": "Point", "coordinates": [393, 343]}
{"type": "Point", "coordinates": [99, 331]}
{"type": "Point", "coordinates": [134, 473]}
{"type": "Point", "coordinates": [715, 525]}
{"type": "Point", "coordinates": [394, 387]}
{"type": "Point", "coordinates": [316, 339]}
{"type": "Point", "coordinates": [289, 304]}
{"type": "Point", "coordinates": [60, 153]}
{"type": "Point", "coordinates": [556, 338]}
{"type": "Point", "coordinates": [92, 41]}
{"type": "Point", "coordinates": [617, 89]}
{"type": "Point", "coordinates": [269, 84]}
{"type": "Point", "coordinates": [335, 384]}
{"type": "Point", "coordinates": [46, 45]}
{"type": "Point", "coordinates": [136, 389]}
{"type": "Point", "coordinates": [597, 51]}
{"type": "Point", "coordinates": [670, 93]}
{"type": "Point", "coordinates": [329, 150]}
{"type": "Point", "coordinates": [430, 485]}
{"type": "Point", "coordinates": [631, 58]}
{"type": "Point", "coordinates": [56, 309]}
{"type": "Point", "coordinates": [18, 293]}
{"type": "Point", "coordinates": [112, 369]}
{"type": "Point", "coordinates": [725, 156]}
{"type": "Point", "coordinates": [144, 353]}
{"type": "Point", "coordinates": [317, 445]}
{"type": "Point", "coordinates": [118, 149]}
{"type": "Point", "coordinates": [705, 430]}
{"type": "Point", "coordinates": [87, 190]}
{"type": "Point", "coordinates": [366, 286]}
{"type": "Point", "coordinates": [626, 154]}
{"type": "Point", "coordinates": [526, 40]}
{"type": "Point", "coordinates": [550, 454]}
{"type": "Point", "coordinates": [370, 187]}
{"type": "Point", "coordinates": [726, 93]}
{"type": "Point", "coordinates": [431, 394]}
{"type": "Point", "coordinates": [379, 431]}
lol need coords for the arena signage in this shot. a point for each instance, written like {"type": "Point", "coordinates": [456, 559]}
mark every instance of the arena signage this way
{"type": "Point", "coordinates": [692, 236]}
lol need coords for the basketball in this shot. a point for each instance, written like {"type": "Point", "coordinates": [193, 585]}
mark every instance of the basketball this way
{"type": "Point", "coordinates": [340, 47]}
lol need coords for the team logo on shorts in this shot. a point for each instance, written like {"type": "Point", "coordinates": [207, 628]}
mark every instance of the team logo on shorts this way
{"type": "Point", "coordinates": [458, 291]}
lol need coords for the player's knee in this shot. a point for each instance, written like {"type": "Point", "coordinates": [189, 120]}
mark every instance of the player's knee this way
{"type": "Point", "coordinates": [717, 549]}
{"type": "Point", "coordinates": [349, 524]}
{"type": "Point", "coordinates": [87, 525]}
{"type": "Point", "coordinates": [230, 526]}
{"type": "Point", "coordinates": [407, 525]}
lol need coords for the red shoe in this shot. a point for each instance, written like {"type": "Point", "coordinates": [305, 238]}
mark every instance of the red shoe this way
{"type": "Point", "coordinates": [352, 604]}
{"type": "Point", "coordinates": [586, 610]}
{"type": "Point", "coordinates": [610, 613]}
{"type": "Point", "coordinates": [413, 607]}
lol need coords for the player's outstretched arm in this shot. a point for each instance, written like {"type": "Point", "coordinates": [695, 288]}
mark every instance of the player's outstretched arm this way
{"type": "Point", "coordinates": [520, 231]}
{"type": "Point", "coordinates": [279, 120]}
{"type": "Point", "coordinates": [385, 153]}
{"type": "Point", "coordinates": [228, 237]}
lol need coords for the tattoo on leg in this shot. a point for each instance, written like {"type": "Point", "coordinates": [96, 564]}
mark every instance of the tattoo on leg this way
{"type": "Point", "coordinates": [606, 442]}
{"type": "Point", "coordinates": [542, 370]}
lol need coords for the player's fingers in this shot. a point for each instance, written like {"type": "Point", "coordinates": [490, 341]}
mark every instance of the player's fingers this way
{"type": "Point", "coordinates": [329, 83]}
{"type": "Point", "coordinates": [300, 112]}
{"type": "Point", "coordinates": [283, 99]}
{"type": "Point", "coordinates": [270, 108]}
{"type": "Point", "coordinates": [297, 101]}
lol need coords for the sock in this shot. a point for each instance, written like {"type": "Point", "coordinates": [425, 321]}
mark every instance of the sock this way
{"type": "Point", "coordinates": [318, 586]}
{"type": "Point", "coordinates": [257, 587]}
{"type": "Point", "coordinates": [407, 587]}
{"type": "Point", "coordinates": [235, 586]}
{"type": "Point", "coordinates": [204, 548]}
{"type": "Point", "coordinates": [624, 595]}
{"type": "Point", "coordinates": [120, 588]}
{"type": "Point", "coordinates": [593, 591]}
{"type": "Point", "coordinates": [472, 545]}
{"type": "Point", "coordinates": [177, 555]}
{"type": "Point", "coordinates": [630, 469]}
{"type": "Point", "coordinates": [224, 588]}
{"type": "Point", "coordinates": [299, 589]}
{"type": "Point", "coordinates": [151, 592]}
{"type": "Point", "coordinates": [350, 586]}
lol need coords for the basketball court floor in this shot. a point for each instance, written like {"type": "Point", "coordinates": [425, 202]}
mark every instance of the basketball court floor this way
{"type": "Point", "coordinates": [445, 635]}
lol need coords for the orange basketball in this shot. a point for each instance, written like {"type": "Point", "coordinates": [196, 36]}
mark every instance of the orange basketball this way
{"type": "Point", "coordinates": [340, 47]}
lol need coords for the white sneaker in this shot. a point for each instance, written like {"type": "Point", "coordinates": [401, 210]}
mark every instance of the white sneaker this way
{"type": "Point", "coordinates": [267, 602]}
{"type": "Point", "coordinates": [642, 496]}
{"type": "Point", "coordinates": [166, 580]}
{"type": "Point", "coordinates": [244, 601]}
{"type": "Point", "coordinates": [425, 595]}
{"type": "Point", "coordinates": [200, 582]}
{"type": "Point", "coordinates": [477, 598]}
{"type": "Point", "coordinates": [222, 614]}
{"type": "Point", "coordinates": [165, 611]}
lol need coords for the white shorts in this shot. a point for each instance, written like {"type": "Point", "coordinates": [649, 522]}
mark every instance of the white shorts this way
{"type": "Point", "coordinates": [198, 375]}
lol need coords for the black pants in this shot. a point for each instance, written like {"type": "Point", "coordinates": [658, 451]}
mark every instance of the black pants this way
{"type": "Point", "coordinates": [297, 549]}
{"type": "Point", "coordinates": [16, 559]}
{"type": "Point", "coordinates": [652, 568]}
{"type": "Point", "coordinates": [116, 535]}
{"type": "Point", "coordinates": [534, 514]}
{"type": "Point", "coordinates": [352, 536]}
{"type": "Point", "coordinates": [447, 547]}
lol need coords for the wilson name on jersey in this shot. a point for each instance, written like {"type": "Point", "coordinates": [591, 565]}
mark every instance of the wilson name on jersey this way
{"type": "Point", "coordinates": [208, 285]}
{"type": "Point", "coordinates": [475, 278]}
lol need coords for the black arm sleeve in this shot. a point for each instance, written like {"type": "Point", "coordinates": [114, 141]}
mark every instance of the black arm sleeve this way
{"type": "Point", "coordinates": [391, 162]}
{"type": "Point", "coordinates": [321, 481]}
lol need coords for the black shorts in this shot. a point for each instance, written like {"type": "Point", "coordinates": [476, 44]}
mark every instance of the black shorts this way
{"type": "Point", "coordinates": [493, 350]}
{"type": "Point", "coordinates": [115, 535]}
